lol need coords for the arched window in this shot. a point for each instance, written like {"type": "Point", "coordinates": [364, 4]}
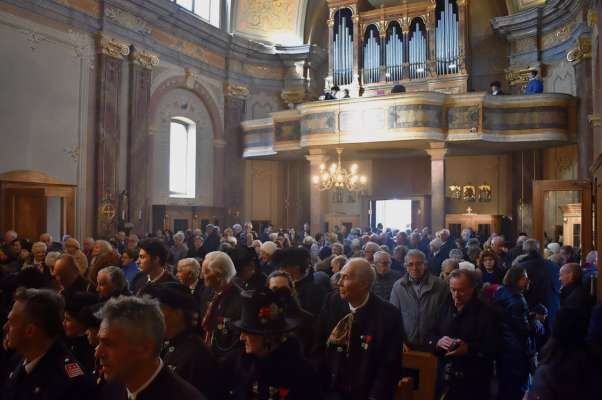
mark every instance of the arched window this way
{"type": "Point", "coordinates": [209, 10]}
{"type": "Point", "coordinates": [182, 158]}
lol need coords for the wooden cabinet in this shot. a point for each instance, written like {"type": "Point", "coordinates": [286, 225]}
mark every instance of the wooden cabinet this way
{"type": "Point", "coordinates": [482, 224]}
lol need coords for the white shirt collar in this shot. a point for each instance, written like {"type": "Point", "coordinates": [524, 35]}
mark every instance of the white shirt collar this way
{"type": "Point", "coordinates": [354, 309]}
{"type": "Point", "coordinates": [132, 396]}
{"type": "Point", "coordinates": [193, 286]}
{"type": "Point", "coordinates": [29, 366]}
{"type": "Point", "coordinates": [157, 278]}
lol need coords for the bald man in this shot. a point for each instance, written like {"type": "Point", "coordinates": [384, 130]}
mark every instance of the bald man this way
{"type": "Point", "coordinates": [572, 292]}
{"type": "Point", "coordinates": [360, 338]}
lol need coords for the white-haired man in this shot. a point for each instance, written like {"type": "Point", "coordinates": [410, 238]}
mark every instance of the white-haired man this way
{"type": "Point", "coordinates": [385, 276]}
{"type": "Point", "coordinates": [188, 272]}
{"type": "Point", "coordinates": [362, 336]}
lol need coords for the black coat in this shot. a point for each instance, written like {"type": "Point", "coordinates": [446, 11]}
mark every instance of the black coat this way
{"type": "Point", "coordinates": [310, 294]}
{"type": "Point", "coordinates": [211, 243]}
{"type": "Point", "coordinates": [255, 282]}
{"type": "Point", "coordinates": [82, 351]}
{"type": "Point", "coordinates": [477, 325]}
{"type": "Point", "coordinates": [57, 376]}
{"type": "Point", "coordinates": [536, 271]}
{"type": "Point", "coordinates": [369, 371]}
{"type": "Point", "coordinates": [575, 296]}
{"type": "Point", "coordinates": [80, 284]}
{"type": "Point", "coordinates": [191, 360]}
{"type": "Point", "coordinates": [284, 373]}
{"type": "Point", "coordinates": [166, 385]}
{"type": "Point", "coordinates": [226, 337]}
{"type": "Point", "coordinates": [141, 280]}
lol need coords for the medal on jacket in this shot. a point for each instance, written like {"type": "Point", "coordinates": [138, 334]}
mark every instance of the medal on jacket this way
{"type": "Point", "coordinates": [366, 340]}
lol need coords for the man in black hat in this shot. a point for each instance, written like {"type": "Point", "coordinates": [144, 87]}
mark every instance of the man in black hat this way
{"type": "Point", "coordinates": [46, 369]}
{"type": "Point", "coordinates": [271, 366]}
{"type": "Point", "coordinates": [295, 261]}
{"type": "Point", "coordinates": [360, 338]}
{"type": "Point", "coordinates": [184, 351]}
{"type": "Point", "coordinates": [248, 276]}
{"type": "Point", "coordinates": [75, 329]}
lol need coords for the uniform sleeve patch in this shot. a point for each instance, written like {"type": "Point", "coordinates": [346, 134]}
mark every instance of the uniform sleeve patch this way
{"type": "Point", "coordinates": [73, 370]}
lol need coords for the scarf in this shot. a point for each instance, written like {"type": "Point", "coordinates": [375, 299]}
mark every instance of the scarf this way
{"type": "Point", "coordinates": [210, 319]}
{"type": "Point", "coordinates": [341, 334]}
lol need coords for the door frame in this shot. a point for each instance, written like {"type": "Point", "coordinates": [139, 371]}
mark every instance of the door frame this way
{"type": "Point", "coordinates": [540, 187]}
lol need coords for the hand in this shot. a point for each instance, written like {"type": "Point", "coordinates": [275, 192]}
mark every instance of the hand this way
{"type": "Point", "coordinates": [461, 350]}
{"type": "Point", "coordinates": [445, 342]}
{"type": "Point", "coordinates": [406, 348]}
{"type": "Point", "coordinates": [540, 317]}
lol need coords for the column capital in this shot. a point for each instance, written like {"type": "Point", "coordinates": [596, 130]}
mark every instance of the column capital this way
{"type": "Point", "coordinates": [112, 47]}
{"type": "Point", "coordinates": [437, 152]}
{"type": "Point", "coordinates": [144, 59]}
{"type": "Point", "coordinates": [237, 91]}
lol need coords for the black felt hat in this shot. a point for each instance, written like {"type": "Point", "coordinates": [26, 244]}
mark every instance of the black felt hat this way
{"type": "Point", "coordinates": [242, 256]}
{"type": "Point", "coordinates": [75, 302]}
{"type": "Point", "coordinates": [87, 316]}
{"type": "Point", "coordinates": [172, 294]}
{"type": "Point", "coordinates": [264, 313]}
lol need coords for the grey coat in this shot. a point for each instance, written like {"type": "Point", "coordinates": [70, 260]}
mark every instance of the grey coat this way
{"type": "Point", "coordinates": [419, 314]}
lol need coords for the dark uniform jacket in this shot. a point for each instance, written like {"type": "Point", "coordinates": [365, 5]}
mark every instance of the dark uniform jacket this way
{"type": "Point", "coordinates": [255, 282]}
{"type": "Point", "coordinates": [311, 295]}
{"type": "Point", "coordinates": [56, 376]}
{"type": "Point", "coordinates": [226, 337]}
{"type": "Point", "coordinates": [283, 374]}
{"type": "Point", "coordinates": [81, 284]}
{"type": "Point", "coordinates": [372, 368]}
{"type": "Point", "coordinates": [141, 280]}
{"type": "Point", "coordinates": [468, 376]}
{"type": "Point", "coordinates": [82, 351]}
{"type": "Point", "coordinates": [191, 360]}
{"type": "Point", "coordinates": [166, 385]}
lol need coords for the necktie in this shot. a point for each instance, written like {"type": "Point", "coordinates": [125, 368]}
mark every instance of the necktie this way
{"type": "Point", "coordinates": [341, 334]}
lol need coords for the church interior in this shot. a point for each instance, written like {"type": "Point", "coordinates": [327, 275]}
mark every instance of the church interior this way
{"type": "Point", "coordinates": [362, 120]}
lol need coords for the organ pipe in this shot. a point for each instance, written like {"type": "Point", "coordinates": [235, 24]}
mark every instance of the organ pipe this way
{"type": "Point", "coordinates": [394, 52]}
{"type": "Point", "coordinates": [417, 53]}
{"type": "Point", "coordinates": [446, 40]}
{"type": "Point", "coordinates": [343, 51]}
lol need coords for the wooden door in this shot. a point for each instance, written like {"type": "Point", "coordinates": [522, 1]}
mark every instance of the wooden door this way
{"type": "Point", "coordinates": [540, 187]}
{"type": "Point", "coordinates": [25, 212]}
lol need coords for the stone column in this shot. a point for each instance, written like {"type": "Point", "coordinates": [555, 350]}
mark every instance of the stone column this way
{"type": "Point", "coordinates": [110, 59]}
{"type": "Point", "coordinates": [138, 160]}
{"type": "Point", "coordinates": [584, 84]}
{"type": "Point", "coordinates": [317, 200]}
{"type": "Point", "coordinates": [234, 105]}
{"type": "Point", "coordinates": [437, 187]}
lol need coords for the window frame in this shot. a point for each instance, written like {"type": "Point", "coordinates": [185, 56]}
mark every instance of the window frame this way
{"type": "Point", "coordinates": [212, 4]}
{"type": "Point", "coordinates": [190, 152]}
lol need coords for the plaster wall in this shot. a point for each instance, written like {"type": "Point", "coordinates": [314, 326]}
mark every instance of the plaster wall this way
{"type": "Point", "coordinates": [46, 119]}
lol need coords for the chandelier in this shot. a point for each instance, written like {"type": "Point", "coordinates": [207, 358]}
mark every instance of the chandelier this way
{"type": "Point", "coordinates": [338, 178]}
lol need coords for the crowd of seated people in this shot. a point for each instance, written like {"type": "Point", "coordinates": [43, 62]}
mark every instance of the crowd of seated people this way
{"type": "Point", "coordinates": [285, 314]}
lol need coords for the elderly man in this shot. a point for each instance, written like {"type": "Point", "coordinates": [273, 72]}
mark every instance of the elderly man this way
{"type": "Point", "coordinates": [188, 272]}
{"type": "Point", "coordinates": [133, 241]}
{"type": "Point", "coordinates": [436, 256]}
{"type": "Point", "coordinates": [38, 251]}
{"type": "Point", "coordinates": [179, 249]}
{"type": "Point", "coordinates": [266, 251]}
{"type": "Point", "coordinates": [498, 245]}
{"type": "Point", "coordinates": [221, 305]}
{"type": "Point", "coordinates": [572, 292]}
{"type": "Point", "coordinates": [151, 259]}
{"type": "Point", "coordinates": [363, 338]}
{"type": "Point", "coordinates": [46, 370]}
{"type": "Point", "coordinates": [183, 349]}
{"type": "Point", "coordinates": [50, 243]}
{"type": "Point", "coordinates": [385, 276]}
{"type": "Point", "coordinates": [67, 275]}
{"type": "Point", "coordinates": [369, 250]}
{"type": "Point", "coordinates": [111, 282]}
{"type": "Point", "coordinates": [465, 338]}
{"type": "Point", "coordinates": [72, 247]}
{"type": "Point", "coordinates": [87, 249]}
{"type": "Point", "coordinates": [130, 339]}
{"type": "Point", "coordinates": [418, 295]}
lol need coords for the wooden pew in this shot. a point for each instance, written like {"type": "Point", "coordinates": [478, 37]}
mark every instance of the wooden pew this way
{"type": "Point", "coordinates": [426, 365]}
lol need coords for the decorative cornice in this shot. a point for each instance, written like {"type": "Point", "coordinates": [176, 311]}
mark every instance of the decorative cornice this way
{"type": "Point", "coordinates": [128, 20]}
{"type": "Point", "coordinates": [294, 96]}
{"type": "Point", "coordinates": [112, 47]}
{"type": "Point", "coordinates": [581, 51]}
{"type": "Point", "coordinates": [238, 91]}
{"type": "Point", "coordinates": [144, 59]}
{"type": "Point", "coordinates": [520, 76]}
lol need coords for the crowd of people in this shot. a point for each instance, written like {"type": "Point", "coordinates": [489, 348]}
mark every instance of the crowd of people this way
{"type": "Point", "coordinates": [237, 314]}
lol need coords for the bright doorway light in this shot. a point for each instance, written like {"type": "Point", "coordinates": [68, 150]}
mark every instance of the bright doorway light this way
{"type": "Point", "coordinates": [394, 214]}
